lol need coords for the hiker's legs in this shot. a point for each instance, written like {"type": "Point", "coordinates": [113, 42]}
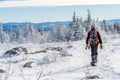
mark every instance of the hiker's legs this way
{"type": "Point", "coordinates": [94, 52]}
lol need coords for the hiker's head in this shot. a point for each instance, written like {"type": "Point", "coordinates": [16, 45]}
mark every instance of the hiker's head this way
{"type": "Point", "coordinates": [92, 27]}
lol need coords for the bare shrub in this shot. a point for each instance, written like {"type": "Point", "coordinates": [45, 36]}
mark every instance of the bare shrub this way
{"type": "Point", "coordinates": [41, 72]}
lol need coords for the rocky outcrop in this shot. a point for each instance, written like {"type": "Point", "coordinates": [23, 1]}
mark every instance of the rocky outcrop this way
{"type": "Point", "coordinates": [59, 49]}
{"type": "Point", "coordinates": [2, 71]}
{"type": "Point", "coordinates": [16, 51]}
{"type": "Point", "coordinates": [28, 64]}
{"type": "Point", "coordinates": [94, 77]}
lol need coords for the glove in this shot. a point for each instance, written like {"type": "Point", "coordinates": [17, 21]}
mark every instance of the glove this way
{"type": "Point", "coordinates": [87, 46]}
{"type": "Point", "coordinates": [101, 46]}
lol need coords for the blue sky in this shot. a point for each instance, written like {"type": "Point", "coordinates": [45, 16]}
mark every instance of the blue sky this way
{"type": "Point", "coordinates": [58, 13]}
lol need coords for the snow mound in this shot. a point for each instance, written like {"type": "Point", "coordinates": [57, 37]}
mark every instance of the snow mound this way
{"type": "Point", "coordinates": [54, 54]}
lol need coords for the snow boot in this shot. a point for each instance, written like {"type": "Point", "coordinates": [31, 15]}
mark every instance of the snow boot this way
{"type": "Point", "coordinates": [93, 64]}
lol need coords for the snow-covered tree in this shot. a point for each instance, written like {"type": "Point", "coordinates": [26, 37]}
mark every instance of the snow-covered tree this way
{"type": "Point", "coordinates": [1, 34]}
{"type": "Point", "coordinates": [117, 27]}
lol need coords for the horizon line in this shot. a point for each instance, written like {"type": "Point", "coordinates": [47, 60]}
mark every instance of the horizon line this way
{"type": "Point", "coordinates": [50, 21]}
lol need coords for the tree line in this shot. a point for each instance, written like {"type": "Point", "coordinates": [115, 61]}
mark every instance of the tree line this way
{"type": "Point", "coordinates": [75, 30]}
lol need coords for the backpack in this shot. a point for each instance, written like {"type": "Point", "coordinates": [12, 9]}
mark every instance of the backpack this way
{"type": "Point", "coordinates": [93, 37]}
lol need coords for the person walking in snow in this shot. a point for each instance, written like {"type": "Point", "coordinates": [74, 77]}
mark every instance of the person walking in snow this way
{"type": "Point", "coordinates": [93, 39]}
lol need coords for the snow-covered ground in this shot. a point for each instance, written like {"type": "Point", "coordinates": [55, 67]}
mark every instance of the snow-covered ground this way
{"type": "Point", "coordinates": [75, 65]}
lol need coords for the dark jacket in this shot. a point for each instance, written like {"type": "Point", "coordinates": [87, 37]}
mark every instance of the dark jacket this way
{"type": "Point", "coordinates": [88, 37]}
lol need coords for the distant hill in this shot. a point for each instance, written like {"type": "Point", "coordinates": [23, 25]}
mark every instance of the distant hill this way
{"type": "Point", "coordinates": [113, 21]}
{"type": "Point", "coordinates": [46, 25]}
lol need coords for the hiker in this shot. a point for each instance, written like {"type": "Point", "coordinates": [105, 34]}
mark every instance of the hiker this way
{"type": "Point", "coordinates": [93, 39]}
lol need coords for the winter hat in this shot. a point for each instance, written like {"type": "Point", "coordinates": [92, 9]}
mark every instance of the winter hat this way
{"type": "Point", "coordinates": [92, 27]}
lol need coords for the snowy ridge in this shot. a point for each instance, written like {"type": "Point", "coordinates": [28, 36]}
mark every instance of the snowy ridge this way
{"type": "Point", "coordinates": [73, 67]}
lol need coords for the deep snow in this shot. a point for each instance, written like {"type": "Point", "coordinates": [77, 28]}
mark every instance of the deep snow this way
{"type": "Point", "coordinates": [51, 66]}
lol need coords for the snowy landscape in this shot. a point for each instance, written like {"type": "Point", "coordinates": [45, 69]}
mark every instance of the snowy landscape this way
{"type": "Point", "coordinates": [34, 52]}
{"type": "Point", "coordinates": [71, 62]}
{"type": "Point", "coordinates": [60, 60]}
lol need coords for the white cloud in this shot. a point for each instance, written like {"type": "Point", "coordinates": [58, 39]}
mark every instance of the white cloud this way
{"type": "Point", "coordinates": [23, 3]}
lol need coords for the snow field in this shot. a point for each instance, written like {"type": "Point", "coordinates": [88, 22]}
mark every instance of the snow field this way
{"type": "Point", "coordinates": [47, 66]}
